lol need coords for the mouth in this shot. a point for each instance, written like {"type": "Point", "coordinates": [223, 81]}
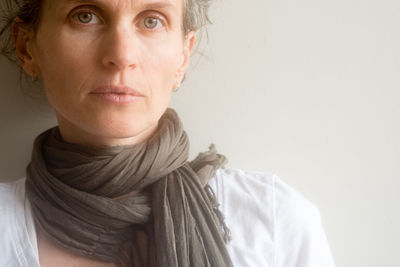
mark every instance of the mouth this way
{"type": "Point", "coordinates": [117, 94]}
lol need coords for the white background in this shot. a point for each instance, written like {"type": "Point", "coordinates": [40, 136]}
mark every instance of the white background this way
{"type": "Point", "coordinates": [307, 89]}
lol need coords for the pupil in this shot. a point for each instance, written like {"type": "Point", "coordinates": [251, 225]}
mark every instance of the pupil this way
{"type": "Point", "coordinates": [150, 23]}
{"type": "Point", "coordinates": [85, 17]}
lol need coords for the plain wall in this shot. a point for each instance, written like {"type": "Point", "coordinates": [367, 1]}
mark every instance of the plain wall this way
{"type": "Point", "coordinates": [307, 89]}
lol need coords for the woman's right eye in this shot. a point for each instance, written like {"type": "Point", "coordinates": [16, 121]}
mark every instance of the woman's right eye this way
{"type": "Point", "coordinates": [85, 17]}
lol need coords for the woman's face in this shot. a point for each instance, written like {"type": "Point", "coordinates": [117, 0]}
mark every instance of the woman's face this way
{"type": "Point", "coordinates": [82, 46]}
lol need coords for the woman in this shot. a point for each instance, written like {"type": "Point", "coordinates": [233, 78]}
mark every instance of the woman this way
{"type": "Point", "coordinates": [111, 185]}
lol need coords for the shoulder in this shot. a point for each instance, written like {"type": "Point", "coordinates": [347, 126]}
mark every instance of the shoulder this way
{"type": "Point", "coordinates": [16, 224]}
{"type": "Point", "coordinates": [272, 219]}
{"type": "Point", "coordinates": [12, 195]}
{"type": "Point", "coordinates": [11, 198]}
{"type": "Point", "coordinates": [10, 206]}
{"type": "Point", "coordinates": [264, 188]}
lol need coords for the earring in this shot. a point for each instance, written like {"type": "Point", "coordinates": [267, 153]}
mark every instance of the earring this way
{"type": "Point", "coordinates": [176, 88]}
{"type": "Point", "coordinates": [34, 77]}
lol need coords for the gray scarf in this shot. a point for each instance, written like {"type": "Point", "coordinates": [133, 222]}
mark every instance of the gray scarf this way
{"type": "Point", "coordinates": [137, 205]}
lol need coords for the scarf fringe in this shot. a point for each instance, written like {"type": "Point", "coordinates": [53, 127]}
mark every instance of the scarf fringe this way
{"type": "Point", "coordinates": [207, 163]}
{"type": "Point", "coordinates": [226, 232]}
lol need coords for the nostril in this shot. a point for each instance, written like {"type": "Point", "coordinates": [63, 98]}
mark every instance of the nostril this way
{"type": "Point", "coordinates": [119, 62]}
{"type": "Point", "coordinates": [120, 51]}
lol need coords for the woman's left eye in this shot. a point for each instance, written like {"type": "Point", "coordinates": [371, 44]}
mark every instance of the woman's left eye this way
{"type": "Point", "coordinates": [152, 23]}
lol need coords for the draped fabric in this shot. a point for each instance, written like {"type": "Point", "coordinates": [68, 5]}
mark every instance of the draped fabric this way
{"type": "Point", "coordinates": [95, 201]}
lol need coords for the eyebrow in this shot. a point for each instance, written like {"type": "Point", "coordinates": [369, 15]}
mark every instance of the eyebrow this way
{"type": "Point", "coordinates": [151, 5]}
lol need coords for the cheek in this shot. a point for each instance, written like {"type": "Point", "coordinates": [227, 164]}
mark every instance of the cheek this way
{"type": "Point", "coordinates": [64, 66]}
{"type": "Point", "coordinates": [161, 62]}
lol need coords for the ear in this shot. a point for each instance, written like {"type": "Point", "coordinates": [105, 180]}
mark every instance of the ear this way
{"type": "Point", "coordinates": [190, 40]}
{"type": "Point", "coordinates": [23, 38]}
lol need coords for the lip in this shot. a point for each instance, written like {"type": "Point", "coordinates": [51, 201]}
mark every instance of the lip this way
{"type": "Point", "coordinates": [119, 94]}
{"type": "Point", "coordinates": [116, 89]}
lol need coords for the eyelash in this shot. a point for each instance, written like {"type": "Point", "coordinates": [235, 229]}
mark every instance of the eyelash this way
{"type": "Point", "coordinates": [160, 18]}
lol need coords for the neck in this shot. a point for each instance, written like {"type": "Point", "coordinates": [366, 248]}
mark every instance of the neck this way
{"type": "Point", "coordinates": [71, 134]}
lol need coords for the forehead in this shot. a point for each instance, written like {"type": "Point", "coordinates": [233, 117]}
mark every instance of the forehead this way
{"type": "Point", "coordinates": [123, 4]}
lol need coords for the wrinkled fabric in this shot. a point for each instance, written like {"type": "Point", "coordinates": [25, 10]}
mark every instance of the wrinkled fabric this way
{"type": "Point", "coordinates": [93, 201]}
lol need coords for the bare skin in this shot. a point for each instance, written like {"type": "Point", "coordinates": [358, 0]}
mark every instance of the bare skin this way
{"type": "Point", "coordinates": [81, 47]}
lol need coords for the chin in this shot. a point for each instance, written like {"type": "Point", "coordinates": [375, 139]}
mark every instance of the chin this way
{"type": "Point", "coordinates": [126, 132]}
{"type": "Point", "coordinates": [108, 128]}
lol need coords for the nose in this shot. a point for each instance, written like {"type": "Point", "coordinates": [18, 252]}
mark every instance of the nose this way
{"type": "Point", "coordinates": [121, 49]}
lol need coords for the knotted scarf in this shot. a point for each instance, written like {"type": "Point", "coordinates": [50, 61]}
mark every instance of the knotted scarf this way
{"type": "Point", "coordinates": [94, 201]}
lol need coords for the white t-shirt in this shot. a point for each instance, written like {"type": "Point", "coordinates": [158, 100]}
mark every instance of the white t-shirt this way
{"type": "Point", "coordinates": [271, 224]}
